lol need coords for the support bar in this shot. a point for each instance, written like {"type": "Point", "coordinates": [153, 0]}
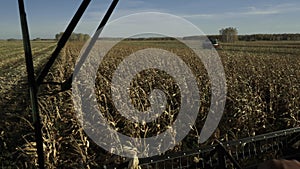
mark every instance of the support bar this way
{"type": "Point", "coordinates": [63, 40]}
{"type": "Point", "coordinates": [222, 153]}
{"type": "Point", "coordinates": [67, 84]}
{"type": "Point", "coordinates": [32, 85]}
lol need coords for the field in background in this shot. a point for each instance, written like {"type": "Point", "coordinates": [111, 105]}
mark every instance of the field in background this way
{"type": "Point", "coordinates": [263, 80]}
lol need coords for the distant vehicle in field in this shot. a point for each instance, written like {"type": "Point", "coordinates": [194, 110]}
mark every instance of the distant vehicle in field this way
{"type": "Point", "coordinates": [210, 43]}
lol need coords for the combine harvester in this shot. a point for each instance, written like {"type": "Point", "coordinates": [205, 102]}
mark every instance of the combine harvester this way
{"type": "Point", "coordinates": [211, 43]}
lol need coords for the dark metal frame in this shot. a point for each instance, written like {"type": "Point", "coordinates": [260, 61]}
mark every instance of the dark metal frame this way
{"type": "Point", "coordinates": [223, 152]}
{"type": "Point", "coordinates": [34, 84]}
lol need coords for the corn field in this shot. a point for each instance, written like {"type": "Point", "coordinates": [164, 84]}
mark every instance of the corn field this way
{"type": "Point", "coordinates": [263, 81]}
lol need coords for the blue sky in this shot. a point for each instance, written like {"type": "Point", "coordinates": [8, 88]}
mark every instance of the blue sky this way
{"type": "Point", "coordinates": [46, 18]}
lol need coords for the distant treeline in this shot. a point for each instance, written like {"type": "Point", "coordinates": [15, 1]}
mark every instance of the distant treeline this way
{"type": "Point", "coordinates": [270, 37]}
{"type": "Point", "coordinates": [74, 36]}
{"type": "Point", "coordinates": [151, 38]}
{"type": "Point", "coordinates": [138, 39]}
{"type": "Point", "coordinates": [254, 37]}
{"type": "Point", "coordinates": [13, 39]}
{"type": "Point", "coordinates": [265, 37]}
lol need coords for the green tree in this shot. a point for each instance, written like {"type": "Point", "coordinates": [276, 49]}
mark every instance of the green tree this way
{"type": "Point", "coordinates": [58, 36]}
{"type": "Point", "coordinates": [74, 36]}
{"type": "Point", "coordinates": [229, 34]}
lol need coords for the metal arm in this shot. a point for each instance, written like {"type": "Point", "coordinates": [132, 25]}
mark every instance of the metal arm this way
{"type": "Point", "coordinates": [67, 84]}
{"type": "Point", "coordinates": [32, 86]}
{"type": "Point", "coordinates": [63, 40]}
